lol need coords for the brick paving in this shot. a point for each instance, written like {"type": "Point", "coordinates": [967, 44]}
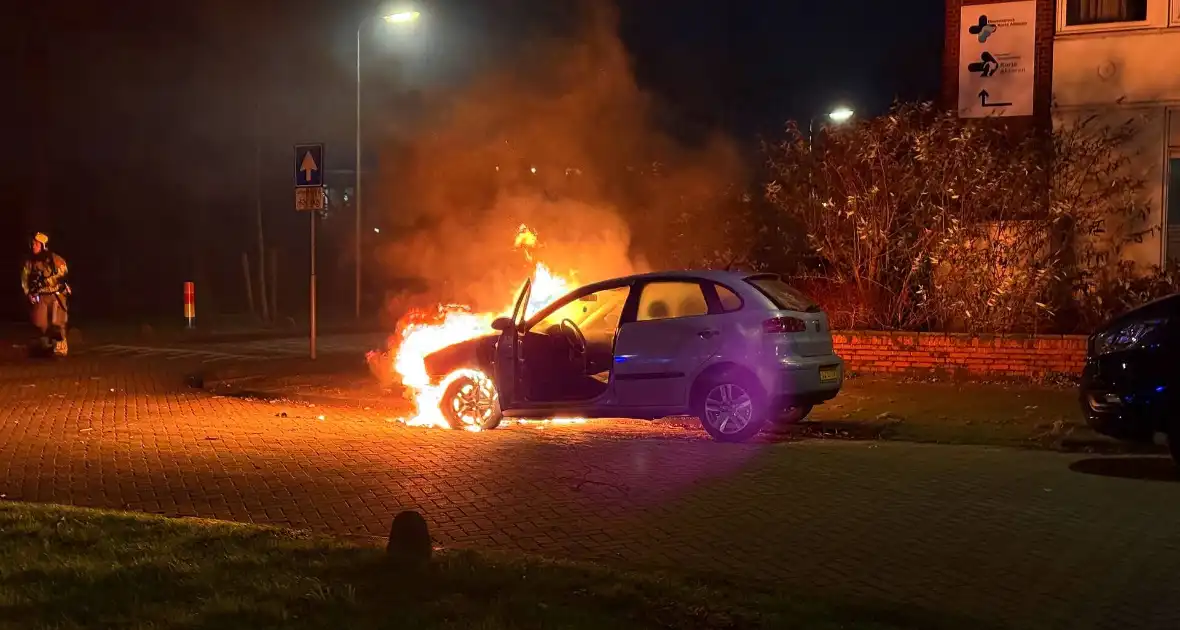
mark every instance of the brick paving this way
{"type": "Point", "coordinates": [1022, 537]}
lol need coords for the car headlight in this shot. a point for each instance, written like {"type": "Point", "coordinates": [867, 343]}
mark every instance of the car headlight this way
{"type": "Point", "coordinates": [1127, 336]}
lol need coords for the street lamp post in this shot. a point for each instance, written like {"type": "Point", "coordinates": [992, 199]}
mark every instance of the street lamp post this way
{"type": "Point", "coordinates": [838, 115]}
{"type": "Point", "coordinates": [393, 18]}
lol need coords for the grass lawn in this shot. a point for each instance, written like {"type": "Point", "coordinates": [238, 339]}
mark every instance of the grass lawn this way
{"type": "Point", "coordinates": [75, 568]}
{"type": "Point", "coordinates": [998, 414]}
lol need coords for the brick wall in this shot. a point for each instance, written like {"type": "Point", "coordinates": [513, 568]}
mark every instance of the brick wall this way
{"type": "Point", "coordinates": [870, 352]}
{"type": "Point", "coordinates": [1043, 86]}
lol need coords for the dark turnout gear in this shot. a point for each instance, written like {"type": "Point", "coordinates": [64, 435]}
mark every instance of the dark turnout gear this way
{"type": "Point", "coordinates": [43, 279]}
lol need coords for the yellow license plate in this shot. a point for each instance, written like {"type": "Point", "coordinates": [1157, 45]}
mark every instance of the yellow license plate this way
{"type": "Point", "coordinates": [829, 374]}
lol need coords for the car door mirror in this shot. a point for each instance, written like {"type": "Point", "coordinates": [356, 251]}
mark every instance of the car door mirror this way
{"type": "Point", "coordinates": [502, 323]}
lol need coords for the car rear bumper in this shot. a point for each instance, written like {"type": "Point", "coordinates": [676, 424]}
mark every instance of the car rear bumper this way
{"type": "Point", "coordinates": [801, 380]}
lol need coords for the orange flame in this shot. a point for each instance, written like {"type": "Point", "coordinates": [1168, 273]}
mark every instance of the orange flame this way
{"type": "Point", "coordinates": [422, 333]}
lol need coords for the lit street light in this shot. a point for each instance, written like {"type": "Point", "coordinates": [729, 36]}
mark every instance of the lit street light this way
{"type": "Point", "coordinates": [838, 115]}
{"type": "Point", "coordinates": [402, 17]}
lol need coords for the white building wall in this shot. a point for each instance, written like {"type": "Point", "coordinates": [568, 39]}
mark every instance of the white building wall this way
{"type": "Point", "coordinates": [1126, 70]}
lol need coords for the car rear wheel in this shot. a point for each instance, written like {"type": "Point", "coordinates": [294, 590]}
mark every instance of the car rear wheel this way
{"type": "Point", "coordinates": [731, 408]}
{"type": "Point", "coordinates": [793, 415]}
{"type": "Point", "coordinates": [471, 402]}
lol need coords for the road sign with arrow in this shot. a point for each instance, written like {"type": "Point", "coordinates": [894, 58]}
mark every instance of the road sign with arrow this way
{"type": "Point", "coordinates": [309, 177]}
{"type": "Point", "coordinates": [309, 160]}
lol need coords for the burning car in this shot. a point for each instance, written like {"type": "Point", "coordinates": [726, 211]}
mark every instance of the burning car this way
{"type": "Point", "coordinates": [736, 350]}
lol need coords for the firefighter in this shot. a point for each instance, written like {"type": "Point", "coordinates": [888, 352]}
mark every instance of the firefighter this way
{"type": "Point", "coordinates": [43, 279]}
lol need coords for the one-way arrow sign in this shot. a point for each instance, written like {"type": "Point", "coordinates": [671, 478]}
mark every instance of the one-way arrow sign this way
{"type": "Point", "coordinates": [983, 96]}
{"type": "Point", "coordinates": [309, 165]}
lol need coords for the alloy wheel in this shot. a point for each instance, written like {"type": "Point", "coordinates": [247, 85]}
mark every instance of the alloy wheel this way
{"type": "Point", "coordinates": [729, 408]}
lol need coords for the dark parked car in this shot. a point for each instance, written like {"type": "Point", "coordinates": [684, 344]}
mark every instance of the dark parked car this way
{"type": "Point", "coordinates": [1131, 385]}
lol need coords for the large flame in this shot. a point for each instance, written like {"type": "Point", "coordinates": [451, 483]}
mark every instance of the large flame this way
{"type": "Point", "coordinates": [421, 333]}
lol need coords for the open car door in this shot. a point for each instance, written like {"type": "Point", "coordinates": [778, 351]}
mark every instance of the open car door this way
{"type": "Point", "coordinates": [508, 350]}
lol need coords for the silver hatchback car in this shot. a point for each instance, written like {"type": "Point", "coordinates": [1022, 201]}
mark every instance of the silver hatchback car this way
{"type": "Point", "coordinates": [736, 350]}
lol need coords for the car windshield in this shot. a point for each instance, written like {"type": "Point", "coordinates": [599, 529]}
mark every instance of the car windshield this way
{"type": "Point", "coordinates": [602, 307]}
{"type": "Point", "coordinates": [782, 294]}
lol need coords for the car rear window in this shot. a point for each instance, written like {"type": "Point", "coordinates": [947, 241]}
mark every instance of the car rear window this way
{"type": "Point", "coordinates": [782, 294]}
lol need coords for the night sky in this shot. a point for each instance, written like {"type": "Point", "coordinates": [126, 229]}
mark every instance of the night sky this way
{"type": "Point", "coordinates": [137, 122]}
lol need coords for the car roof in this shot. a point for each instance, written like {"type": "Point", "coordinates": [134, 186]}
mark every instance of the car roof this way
{"type": "Point", "coordinates": [735, 280]}
{"type": "Point", "coordinates": [721, 277]}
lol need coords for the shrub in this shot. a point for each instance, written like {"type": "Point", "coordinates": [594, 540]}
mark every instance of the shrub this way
{"type": "Point", "coordinates": [1119, 289]}
{"type": "Point", "coordinates": [928, 221]}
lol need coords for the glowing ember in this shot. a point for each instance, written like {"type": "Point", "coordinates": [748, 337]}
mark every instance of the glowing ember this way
{"type": "Point", "coordinates": [525, 239]}
{"type": "Point", "coordinates": [541, 424]}
{"type": "Point", "coordinates": [422, 333]}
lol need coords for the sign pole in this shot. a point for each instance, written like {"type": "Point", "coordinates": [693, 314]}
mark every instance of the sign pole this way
{"type": "Point", "coordinates": [310, 196]}
{"type": "Point", "coordinates": [314, 216]}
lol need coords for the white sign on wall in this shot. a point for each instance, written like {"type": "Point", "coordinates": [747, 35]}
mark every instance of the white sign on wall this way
{"type": "Point", "coordinates": [997, 58]}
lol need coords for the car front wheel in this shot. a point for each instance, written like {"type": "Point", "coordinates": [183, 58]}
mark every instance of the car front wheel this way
{"type": "Point", "coordinates": [731, 409]}
{"type": "Point", "coordinates": [471, 402]}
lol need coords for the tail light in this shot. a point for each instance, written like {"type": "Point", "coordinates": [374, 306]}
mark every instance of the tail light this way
{"type": "Point", "coordinates": [781, 325]}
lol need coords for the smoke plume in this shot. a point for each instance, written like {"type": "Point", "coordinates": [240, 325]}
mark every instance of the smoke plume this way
{"type": "Point", "coordinates": [560, 139]}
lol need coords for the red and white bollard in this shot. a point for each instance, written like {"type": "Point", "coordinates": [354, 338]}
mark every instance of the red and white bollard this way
{"type": "Point", "coordinates": [190, 307]}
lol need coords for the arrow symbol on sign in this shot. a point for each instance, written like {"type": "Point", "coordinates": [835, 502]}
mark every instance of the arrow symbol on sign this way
{"type": "Point", "coordinates": [308, 166]}
{"type": "Point", "coordinates": [983, 96]}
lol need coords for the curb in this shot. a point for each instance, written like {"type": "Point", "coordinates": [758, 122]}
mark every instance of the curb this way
{"type": "Point", "coordinates": [1099, 445]}
{"type": "Point", "coordinates": [210, 335]}
{"type": "Point", "coordinates": [307, 399]}
{"type": "Point", "coordinates": [247, 381]}
{"type": "Point", "coordinates": [281, 367]}
{"type": "Point", "coordinates": [274, 335]}
{"type": "Point", "coordinates": [232, 391]}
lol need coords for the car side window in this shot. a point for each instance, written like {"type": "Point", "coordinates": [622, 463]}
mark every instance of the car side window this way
{"type": "Point", "coordinates": [670, 300]}
{"type": "Point", "coordinates": [730, 301]}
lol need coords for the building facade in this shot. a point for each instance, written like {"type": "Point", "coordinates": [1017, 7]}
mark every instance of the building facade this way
{"type": "Point", "coordinates": [1112, 58]}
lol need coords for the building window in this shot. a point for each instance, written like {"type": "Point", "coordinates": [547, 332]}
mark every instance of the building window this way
{"type": "Point", "coordinates": [1081, 12]}
{"type": "Point", "coordinates": [1172, 247]}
